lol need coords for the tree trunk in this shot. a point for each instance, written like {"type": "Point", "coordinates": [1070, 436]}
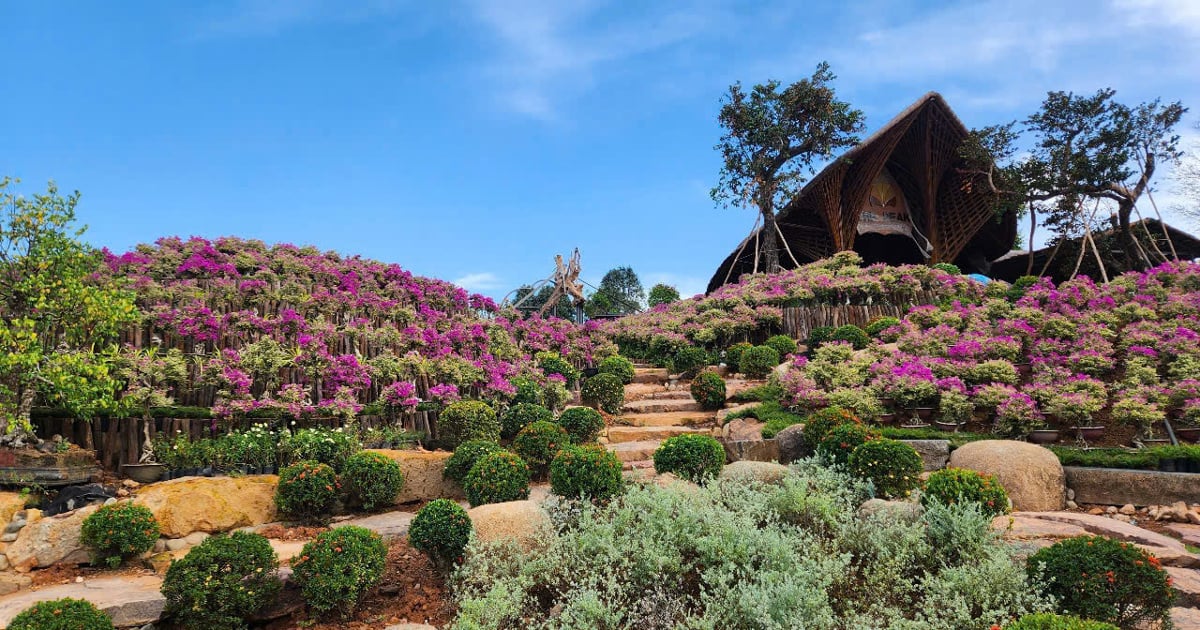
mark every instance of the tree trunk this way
{"type": "Point", "coordinates": [770, 242]}
{"type": "Point", "coordinates": [1134, 259]}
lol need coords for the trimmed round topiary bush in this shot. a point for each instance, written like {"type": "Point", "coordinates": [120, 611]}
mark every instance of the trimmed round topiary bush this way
{"type": "Point", "coordinates": [619, 367]}
{"type": "Point", "coordinates": [337, 568]}
{"type": "Point", "coordinates": [496, 478]}
{"type": "Point", "coordinates": [893, 466]}
{"type": "Point", "coordinates": [372, 480]}
{"type": "Point", "coordinates": [221, 582]}
{"type": "Point", "coordinates": [851, 334]}
{"type": "Point", "coordinates": [1103, 579]}
{"type": "Point", "coordinates": [758, 362]}
{"type": "Point", "coordinates": [553, 363]}
{"type": "Point", "coordinates": [583, 424]}
{"type": "Point", "coordinates": [818, 336]}
{"type": "Point", "coordinates": [307, 491]}
{"type": "Point", "coordinates": [467, 420]}
{"type": "Point", "coordinates": [119, 531]}
{"type": "Point", "coordinates": [949, 268]}
{"type": "Point", "coordinates": [521, 415]}
{"type": "Point", "coordinates": [528, 391]}
{"type": "Point", "coordinates": [590, 471]}
{"type": "Point", "coordinates": [689, 360]}
{"type": "Point", "coordinates": [841, 441]}
{"type": "Point", "coordinates": [819, 423]}
{"type": "Point", "coordinates": [441, 530]}
{"type": "Point", "coordinates": [538, 443]}
{"type": "Point", "coordinates": [949, 486]}
{"type": "Point", "coordinates": [61, 614]}
{"type": "Point", "coordinates": [782, 344]}
{"type": "Point", "coordinates": [1051, 621]}
{"type": "Point", "coordinates": [605, 392]}
{"type": "Point", "coordinates": [708, 389]}
{"type": "Point", "coordinates": [733, 354]}
{"type": "Point", "coordinates": [880, 324]}
{"type": "Point", "coordinates": [465, 456]}
{"type": "Point", "coordinates": [691, 456]}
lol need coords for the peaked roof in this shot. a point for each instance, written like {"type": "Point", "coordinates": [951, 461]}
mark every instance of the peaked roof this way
{"type": "Point", "coordinates": [919, 147]}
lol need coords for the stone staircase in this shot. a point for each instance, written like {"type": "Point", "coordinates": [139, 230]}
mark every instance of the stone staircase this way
{"type": "Point", "coordinates": [652, 413]}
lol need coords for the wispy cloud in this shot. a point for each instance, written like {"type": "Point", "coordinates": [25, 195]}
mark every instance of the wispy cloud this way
{"type": "Point", "coordinates": [1184, 14]}
{"type": "Point", "coordinates": [480, 282]}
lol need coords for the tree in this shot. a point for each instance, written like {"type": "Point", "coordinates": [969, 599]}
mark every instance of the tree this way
{"type": "Point", "coordinates": [620, 293]}
{"type": "Point", "coordinates": [663, 294]}
{"type": "Point", "coordinates": [57, 324]}
{"type": "Point", "coordinates": [1187, 181]}
{"type": "Point", "coordinates": [772, 141]}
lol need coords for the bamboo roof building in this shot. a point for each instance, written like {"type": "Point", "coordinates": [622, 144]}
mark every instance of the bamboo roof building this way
{"type": "Point", "coordinates": [899, 197]}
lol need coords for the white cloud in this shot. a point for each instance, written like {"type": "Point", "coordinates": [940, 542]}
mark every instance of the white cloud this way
{"type": "Point", "coordinates": [1184, 14]}
{"type": "Point", "coordinates": [480, 282]}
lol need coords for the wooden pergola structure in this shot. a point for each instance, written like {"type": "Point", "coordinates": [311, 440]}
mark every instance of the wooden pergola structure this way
{"type": "Point", "coordinates": [901, 196]}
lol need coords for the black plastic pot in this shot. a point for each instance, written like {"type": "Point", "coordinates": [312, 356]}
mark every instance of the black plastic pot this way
{"type": "Point", "coordinates": [1167, 465]}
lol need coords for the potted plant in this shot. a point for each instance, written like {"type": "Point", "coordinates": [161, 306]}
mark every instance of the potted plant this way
{"type": "Point", "coordinates": [1189, 421]}
{"type": "Point", "coordinates": [1075, 409]}
{"type": "Point", "coordinates": [1138, 410]}
{"type": "Point", "coordinates": [1019, 417]}
{"type": "Point", "coordinates": [954, 410]}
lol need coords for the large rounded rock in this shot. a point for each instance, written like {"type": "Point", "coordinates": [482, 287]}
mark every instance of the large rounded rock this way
{"type": "Point", "coordinates": [517, 521]}
{"type": "Point", "coordinates": [790, 444]}
{"type": "Point", "coordinates": [210, 504]}
{"type": "Point", "coordinates": [760, 472]}
{"type": "Point", "coordinates": [51, 540]}
{"type": "Point", "coordinates": [423, 480]}
{"type": "Point", "coordinates": [1032, 475]}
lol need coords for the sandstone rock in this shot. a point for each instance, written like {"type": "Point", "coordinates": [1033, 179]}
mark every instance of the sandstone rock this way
{"type": "Point", "coordinates": [1187, 582]}
{"type": "Point", "coordinates": [1021, 527]}
{"type": "Point", "coordinates": [160, 562]}
{"type": "Point", "coordinates": [131, 601]}
{"type": "Point", "coordinates": [1185, 618]}
{"type": "Point", "coordinates": [761, 472]}
{"type": "Point", "coordinates": [210, 504]}
{"type": "Point", "coordinates": [1032, 475]}
{"type": "Point", "coordinates": [742, 429]}
{"type": "Point", "coordinates": [50, 541]}
{"type": "Point", "coordinates": [1169, 550]}
{"type": "Point", "coordinates": [13, 582]}
{"type": "Point", "coordinates": [934, 453]}
{"type": "Point", "coordinates": [756, 450]}
{"type": "Point", "coordinates": [1127, 509]}
{"type": "Point", "coordinates": [518, 521]}
{"type": "Point", "coordinates": [790, 443]}
{"type": "Point", "coordinates": [898, 510]}
{"type": "Point", "coordinates": [1071, 505]}
{"type": "Point", "coordinates": [423, 479]}
{"type": "Point", "coordinates": [387, 525]}
{"type": "Point", "coordinates": [10, 504]}
{"type": "Point", "coordinates": [195, 538]}
{"type": "Point", "coordinates": [724, 413]}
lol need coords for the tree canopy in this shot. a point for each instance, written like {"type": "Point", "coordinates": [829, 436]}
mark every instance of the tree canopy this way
{"type": "Point", "coordinates": [620, 293]}
{"type": "Point", "coordinates": [662, 294]}
{"type": "Point", "coordinates": [773, 139]}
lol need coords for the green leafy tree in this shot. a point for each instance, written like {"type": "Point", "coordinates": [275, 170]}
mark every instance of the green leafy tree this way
{"type": "Point", "coordinates": [663, 294]}
{"type": "Point", "coordinates": [149, 376]}
{"type": "Point", "coordinates": [620, 293]}
{"type": "Point", "coordinates": [773, 139]}
{"type": "Point", "coordinates": [57, 323]}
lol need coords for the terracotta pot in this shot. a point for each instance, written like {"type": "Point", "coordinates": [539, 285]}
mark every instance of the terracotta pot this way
{"type": "Point", "coordinates": [924, 413]}
{"type": "Point", "coordinates": [1090, 433]}
{"type": "Point", "coordinates": [1043, 436]}
{"type": "Point", "coordinates": [1189, 434]}
{"type": "Point", "coordinates": [887, 418]}
{"type": "Point", "coordinates": [947, 426]}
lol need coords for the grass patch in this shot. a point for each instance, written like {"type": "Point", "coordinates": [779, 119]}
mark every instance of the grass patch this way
{"type": "Point", "coordinates": [772, 414]}
{"type": "Point", "coordinates": [760, 393]}
{"type": "Point", "coordinates": [956, 439]}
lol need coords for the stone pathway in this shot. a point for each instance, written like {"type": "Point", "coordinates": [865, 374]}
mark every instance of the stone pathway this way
{"type": "Point", "coordinates": [131, 601]}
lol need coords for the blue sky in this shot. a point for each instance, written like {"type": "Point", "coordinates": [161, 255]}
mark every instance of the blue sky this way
{"type": "Point", "coordinates": [472, 141]}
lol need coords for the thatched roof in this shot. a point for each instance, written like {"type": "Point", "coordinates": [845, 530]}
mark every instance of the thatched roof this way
{"type": "Point", "coordinates": [919, 148]}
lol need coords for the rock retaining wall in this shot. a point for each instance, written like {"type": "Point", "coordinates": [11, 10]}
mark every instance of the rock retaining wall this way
{"type": "Point", "coordinates": [1114, 486]}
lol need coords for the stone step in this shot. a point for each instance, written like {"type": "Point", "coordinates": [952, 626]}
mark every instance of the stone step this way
{"type": "Point", "coordinates": [650, 375]}
{"type": "Point", "coordinates": [669, 419]}
{"type": "Point", "coordinates": [619, 435]}
{"type": "Point", "coordinates": [131, 601]}
{"type": "Point", "coordinates": [629, 452]}
{"type": "Point", "coordinates": [651, 405]}
{"type": "Point", "coordinates": [671, 394]}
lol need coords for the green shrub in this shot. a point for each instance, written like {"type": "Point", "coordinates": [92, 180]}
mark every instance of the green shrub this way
{"type": "Point", "coordinates": [467, 420]}
{"type": "Point", "coordinates": [708, 389]}
{"type": "Point", "coordinates": [818, 336]}
{"type": "Point", "coordinates": [691, 456]}
{"type": "Point", "coordinates": [538, 443]}
{"type": "Point", "coordinates": [221, 582]}
{"type": "Point", "coordinates": [880, 324]}
{"type": "Point", "coordinates": [496, 478]}
{"type": "Point", "coordinates": [61, 614]}
{"type": "Point", "coordinates": [338, 567]}
{"type": "Point", "coordinates": [733, 354]}
{"type": "Point", "coordinates": [619, 367]}
{"type": "Point", "coordinates": [528, 391]}
{"type": "Point", "coordinates": [949, 268]}
{"type": "Point", "coordinates": [520, 416]}
{"type": "Point", "coordinates": [820, 423]}
{"type": "Point", "coordinates": [1022, 284]}
{"type": "Point", "coordinates": [689, 360]}
{"type": "Point", "coordinates": [119, 531]}
{"type": "Point", "coordinates": [590, 471]}
{"type": "Point", "coordinates": [950, 486]}
{"type": "Point", "coordinates": [1105, 580]}
{"type": "Point", "coordinates": [583, 424]}
{"type": "Point", "coordinates": [758, 362]}
{"type": "Point", "coordinates": [307, 491]}
{"type": "Point", "coordinates": [851, 334]}
{"type": "Point", "coordinates": [782, 344]}
{"type": "Point", "coordinates": [894, 467]}
{"type": "Point", "coordinates": [441, 530]}
{"type": "Point", "coordinates": [372, 480]}
{"type": "Point", "coordinates": [465, 456]}
{"type": "Point", "coordinates": [1051, 621]}
{"type": "Point", "coordinates": [841, 441]}
{"type": "Point", "coordinates": [604, 392]}
{"type": "Point", "coordinates": [662, 294]}
{"type": "Point", "coordinates": [327, 446]}
{"type": "Point", "coordinates": [553, 363]}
